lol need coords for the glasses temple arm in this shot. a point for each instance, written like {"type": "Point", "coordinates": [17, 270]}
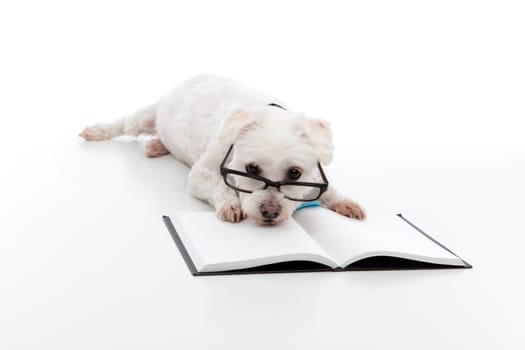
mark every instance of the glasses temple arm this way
{"type": "Point", "coordinates": [322, 173]}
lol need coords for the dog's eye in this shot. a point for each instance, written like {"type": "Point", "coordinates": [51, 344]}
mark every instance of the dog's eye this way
{"type": "Point", "coordinates": [294, 174]}
{"type": "Point", "coordinates": [253, 169]}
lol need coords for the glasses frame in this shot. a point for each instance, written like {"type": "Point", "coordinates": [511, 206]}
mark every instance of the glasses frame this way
{"type": "Point", "coordinates": [277, 184]}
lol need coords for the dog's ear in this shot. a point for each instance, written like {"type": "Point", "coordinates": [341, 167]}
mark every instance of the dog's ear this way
{"type": "Point", "coordinates": [238, 122]}
{"type": "Point", "coordinates": [319, 134]}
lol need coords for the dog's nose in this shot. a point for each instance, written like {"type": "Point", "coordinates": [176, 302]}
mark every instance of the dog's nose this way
{"type": "Point", "coordinates": [270, 210]}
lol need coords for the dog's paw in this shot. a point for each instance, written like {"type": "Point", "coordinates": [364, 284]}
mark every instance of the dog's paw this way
{"type": "Point", "coordinates": [231, 211]}
{"type": "Point", "coordinates": [94, 133]}
{"type": "Point", "coordinates": [155, 148]}
{"type": "Point", "coordinates": [348, 208]}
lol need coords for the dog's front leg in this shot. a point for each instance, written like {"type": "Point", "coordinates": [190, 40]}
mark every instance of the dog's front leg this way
{"type": "Point", "coordinates": [341, 205]}
{"type": "Point", "coordinates": [206, 183]}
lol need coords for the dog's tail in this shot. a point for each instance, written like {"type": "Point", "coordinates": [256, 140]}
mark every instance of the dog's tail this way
{"type": "Point", "coordinates": [142, 121]}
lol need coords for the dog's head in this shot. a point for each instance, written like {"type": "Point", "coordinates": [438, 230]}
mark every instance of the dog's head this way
{"type": "Point", "coordinates": [277, 145]}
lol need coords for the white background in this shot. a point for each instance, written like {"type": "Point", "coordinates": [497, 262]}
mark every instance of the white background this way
{"type": "Point", "coordinates": [426, 100]}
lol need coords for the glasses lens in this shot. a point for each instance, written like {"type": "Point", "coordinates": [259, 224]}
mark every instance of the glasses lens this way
{"type": "Point", "coordinates": [301, 193]}
{"type": "Point", "coordinates": [244, 183]}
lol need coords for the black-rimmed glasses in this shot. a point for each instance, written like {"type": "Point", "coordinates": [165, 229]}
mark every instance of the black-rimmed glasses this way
{"type": "Point", "coordinates": [292, 190]}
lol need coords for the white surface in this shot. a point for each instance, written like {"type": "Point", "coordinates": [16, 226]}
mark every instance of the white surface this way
{"type": "Point", "coordinates": [426, 100]}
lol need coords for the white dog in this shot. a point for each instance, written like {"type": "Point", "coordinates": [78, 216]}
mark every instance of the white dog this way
{"type": "Point", "coordinates": [249, 154]}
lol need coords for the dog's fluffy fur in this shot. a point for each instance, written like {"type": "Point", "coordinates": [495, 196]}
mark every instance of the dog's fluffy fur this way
{"type": "Point", "coordinates": [199, 120]}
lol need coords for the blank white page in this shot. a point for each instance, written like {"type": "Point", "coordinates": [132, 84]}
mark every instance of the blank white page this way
{"type": "Point", "coordinates": [216, 245]}
{"type": "Point", "coordinates": [347, 240]}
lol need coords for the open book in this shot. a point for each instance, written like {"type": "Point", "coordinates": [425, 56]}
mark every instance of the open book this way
{"type": "Point", "coordinates": [315, 239]}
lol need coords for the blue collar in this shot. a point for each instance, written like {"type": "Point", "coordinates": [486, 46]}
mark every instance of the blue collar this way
{"type": "Point", "coordinates": [309, 204]}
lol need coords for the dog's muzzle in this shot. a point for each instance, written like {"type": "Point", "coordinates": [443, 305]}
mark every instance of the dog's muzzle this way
{"type": "Point", "coordinates": [270, 210]}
